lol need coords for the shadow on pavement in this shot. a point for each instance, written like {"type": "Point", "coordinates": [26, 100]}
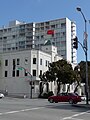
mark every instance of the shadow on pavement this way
{"type": "Point", "coordinates": [80, 107]}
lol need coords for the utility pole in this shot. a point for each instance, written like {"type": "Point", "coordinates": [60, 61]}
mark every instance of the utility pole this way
{"type": "Point", "coordinates": [85, 50]}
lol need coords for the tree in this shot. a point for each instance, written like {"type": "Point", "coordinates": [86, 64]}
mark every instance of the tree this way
{"type": "Point", "coordinates": [65, 73]}
{"type": "Point", "coordinates": [78, 77]}
{"type": "Point", "coordinates": [61, 72]}
{"type": "Point", "coordinates": [82, 65]}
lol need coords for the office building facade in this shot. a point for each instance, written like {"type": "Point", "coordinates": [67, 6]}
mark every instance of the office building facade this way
{"type": "Point", "coordinates": [23, 36]}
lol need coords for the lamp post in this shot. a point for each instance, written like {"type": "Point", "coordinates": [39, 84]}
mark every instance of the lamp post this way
{"type": "Point", "coordinates": [85, 50]}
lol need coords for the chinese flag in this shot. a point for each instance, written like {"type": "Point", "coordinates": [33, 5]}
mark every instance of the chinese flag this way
{"type": "Point", "coordinates": [50, 32]}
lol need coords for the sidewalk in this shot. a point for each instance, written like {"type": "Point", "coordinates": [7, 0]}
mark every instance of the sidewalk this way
{"type": "Point", "coordinates": [82, 105]}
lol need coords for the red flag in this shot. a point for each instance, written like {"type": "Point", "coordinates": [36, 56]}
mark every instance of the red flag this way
{"type": "Point", "coordinates": [50, 32]}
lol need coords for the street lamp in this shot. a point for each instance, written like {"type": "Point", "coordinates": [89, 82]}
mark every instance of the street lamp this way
{"type": "Point", "coordinates": [85, 50]}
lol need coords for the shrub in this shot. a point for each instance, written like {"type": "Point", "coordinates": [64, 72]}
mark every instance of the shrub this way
{"type": "Point", "coordinates": [46, 95]}
{"type": "Point", "coordinates": [50, 93]}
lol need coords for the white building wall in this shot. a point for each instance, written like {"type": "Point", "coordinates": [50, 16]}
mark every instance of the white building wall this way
{"type": "Point", "coordinates": [20, 85]}
{"type": "Point", "coordinates": [74, 51]}
{"type": "Point", "coordinates": [52, 50]}
{"type": "Point", "coordinates": [68, 40]}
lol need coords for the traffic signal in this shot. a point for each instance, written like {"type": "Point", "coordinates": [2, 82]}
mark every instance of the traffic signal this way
{"type": "Point", "coordinates": [75, 43]}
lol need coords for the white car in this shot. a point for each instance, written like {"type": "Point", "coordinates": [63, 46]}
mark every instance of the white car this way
{"type": "Point", "coordinates": [1, 95]}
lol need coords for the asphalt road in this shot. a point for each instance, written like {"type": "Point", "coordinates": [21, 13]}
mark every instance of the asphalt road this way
{"type": "Point", "coordinates": [40, 109]}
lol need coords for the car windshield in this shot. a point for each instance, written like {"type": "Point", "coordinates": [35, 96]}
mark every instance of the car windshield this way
{"type": "Point", "coordinates": [62, 94]}
{"type": "Point", "coordinates": [67, 94]}
{"type": "Point", "coordinates": [72, 94]}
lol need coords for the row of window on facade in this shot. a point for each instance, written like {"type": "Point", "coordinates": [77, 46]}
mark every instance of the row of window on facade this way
{"type": "Point", "coordinates": [57, 35]}
{"type": "Point", "coordinates": [17, 61]}
{"type": "Point", "coordinates": [28, 34]}
{"type": "Point", "coordinates": [16, 73]}
{"type": "Point", "coordinates": [28, 26]}
{"type": "Point", "coordinates": [49, 25]}
{"type": "Point", "coordinates": [17, 48]}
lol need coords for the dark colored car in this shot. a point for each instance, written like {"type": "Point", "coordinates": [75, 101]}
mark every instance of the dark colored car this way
{"type": "Point", "coordinates": [72, 98]}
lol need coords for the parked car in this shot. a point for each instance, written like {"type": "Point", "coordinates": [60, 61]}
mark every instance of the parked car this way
{"type": "Point", "coordinates": [72, 98]}
{"type": "Point", "coordinates": [1, 95]}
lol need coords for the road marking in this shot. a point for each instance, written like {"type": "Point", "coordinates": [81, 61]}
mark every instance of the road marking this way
{"type": "Point", "coordinates": [24, 110]}
{"type": "Point", "coordinates": [75, 115]}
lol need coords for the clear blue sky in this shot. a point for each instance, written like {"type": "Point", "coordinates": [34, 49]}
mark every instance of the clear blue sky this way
{"type": "Point", "coordinates": [43, 10]}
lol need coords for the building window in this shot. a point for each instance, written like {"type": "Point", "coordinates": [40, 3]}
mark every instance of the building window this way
{"type": "Point", "coordinates": [18, 61]}
{"type": "Point", "coordinates": [13, 36]}
{"type": "Point", "coordinates": [42, 24]}
{"type": "Point", "coordinates": [63, 43]}
{"type": "Point", "coordinates": [6, 62]}
{"type": "Point", "coordinates": [26, 61]}
{"type": "Point", "coordinates": [6, 72]}
{"type": "Point", "coordinates": [47, 27]}
{"type": "Point", "coordinates": [42, 36]}
{"type": "Point", "coordinates": [40, 61]}
{"type": "Point", "coordinates": [34, 72]}
{"type": "Point", "coordinates": [47, 23]}
{"type": "Point", "coordinates": [40, 72]}
{"type": "Point", "coordinates": [63, 25]}
{"type": "Point", "coordinates": [37, 37]}
{"type": "Point", "coordinates": [14, 64]}
{"type": "Point", "coordinates": [13, 73]}
{"type": "Point", "coordinates": [17, 73]}
{"type": "Point", "coordinates": [34, 60]}
{"type": "Point", "coordinates": [25, 73]}
{"type": "Point", "coordinates": [52, 26]}
{"type": "Point", "coordinates": [4, 38]}
{"type": "Point", "coordinates": [42, 28]}
{"type": "Point", "coordinates": [46, 62]}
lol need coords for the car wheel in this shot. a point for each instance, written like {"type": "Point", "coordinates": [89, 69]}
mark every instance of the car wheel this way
{"type": "Point", "coordinates": [75, 102]}
{"type": "Point", "coordinates": [70, 101]}
{"type": "Point", "coordinates": [51, 100]}
{"type": "Point", "coordinates": [56, 101]}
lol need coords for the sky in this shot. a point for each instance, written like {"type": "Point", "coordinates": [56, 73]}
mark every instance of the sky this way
{"type": "Point", "coordinates": [44, 10]}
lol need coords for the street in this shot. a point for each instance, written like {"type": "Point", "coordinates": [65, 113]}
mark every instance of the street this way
{"type": "Point", "coordinates": [40, 109]}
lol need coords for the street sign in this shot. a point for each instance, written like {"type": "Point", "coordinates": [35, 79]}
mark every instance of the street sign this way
{"type": "Point", "coordinates": [20, 68]}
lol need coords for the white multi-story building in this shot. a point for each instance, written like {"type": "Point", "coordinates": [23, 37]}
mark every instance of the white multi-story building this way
{"type": "Point", "coordinates": [63, 32]}
{"type": "Point", "coordinates": [22, 36]}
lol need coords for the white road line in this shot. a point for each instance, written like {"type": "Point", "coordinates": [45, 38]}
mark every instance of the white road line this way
{"type": "Point", "coordinates": [75, 115]}
{"type": "Point", "coordinates": [24, 110]}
